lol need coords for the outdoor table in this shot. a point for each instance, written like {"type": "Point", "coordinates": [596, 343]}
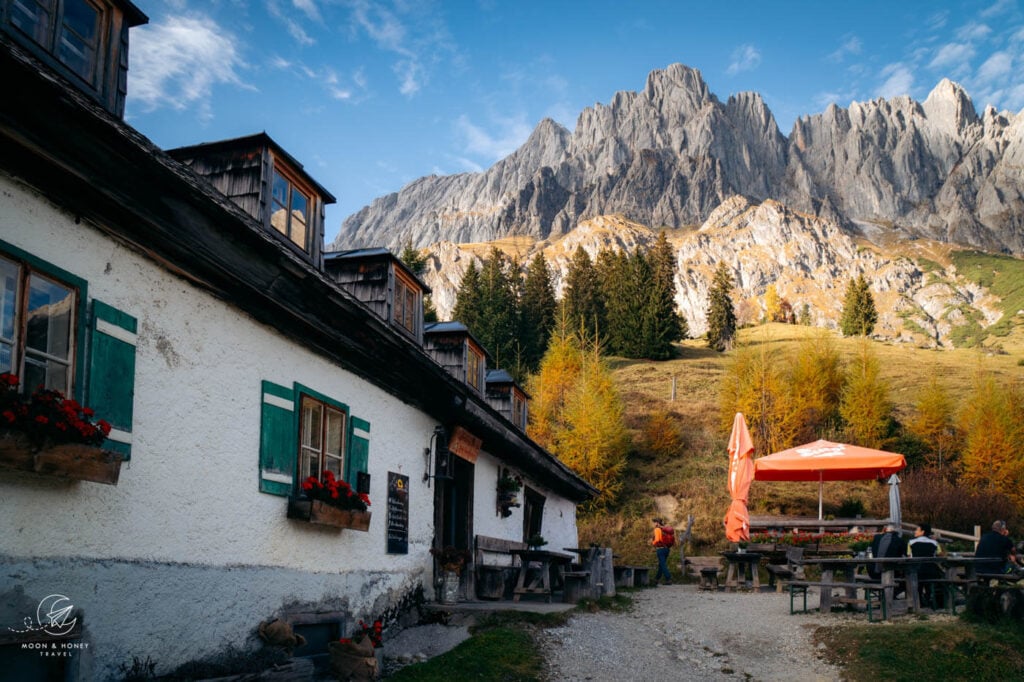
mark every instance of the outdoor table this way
{"type": "Point", "coordinates": [745, 564]}
{"type": "Point", "coordinates": [968, 563]}
{"type": "Point", "coordinates": [887, 565]}
{"type": "Point", "coordinates": [540, 584]}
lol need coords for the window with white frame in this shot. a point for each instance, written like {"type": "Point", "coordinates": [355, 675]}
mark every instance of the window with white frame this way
{"type": "Point", "coordinates": [37, 327]}
{"type": "Point", "coordinates": [323, 439]}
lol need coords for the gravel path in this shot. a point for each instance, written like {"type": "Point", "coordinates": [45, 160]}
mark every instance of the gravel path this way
{"type": "Point", "coordinates": [677, 632]}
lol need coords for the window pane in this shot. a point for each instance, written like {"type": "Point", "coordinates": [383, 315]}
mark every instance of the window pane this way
{"type": "Point", "coordinates": [82, 18]}
{"type": "Point", "coordinates": [6, 354]}
{"type": "Point", "coordinates": [33, 19]}
{"type": "Point", "coordinates": [300, 206]}
{"type": "Point", "coordinates": [311, 415]}
{"type": "Point", "coordinates": [78, 55]}
{"type": "Point", "coordinates": [50, 308]}
{"type": "Point", "coordinates": [8, 298]}
{"type": "Point", "coordinates": [49, 374]}
{"type": "Point", "coordinates": [280, 190]}
{"type": "Point", "coordinates": [298, 234]}
{"type": "Point", "coordinates": [335, 432]}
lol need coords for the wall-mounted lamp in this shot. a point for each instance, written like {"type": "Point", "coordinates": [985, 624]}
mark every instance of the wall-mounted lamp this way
{"type": "Point", "coordinates": [438, 455]}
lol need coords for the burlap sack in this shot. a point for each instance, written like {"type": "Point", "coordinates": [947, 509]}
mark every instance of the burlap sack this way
{"type": "Point", "coordinates": [353, 661]}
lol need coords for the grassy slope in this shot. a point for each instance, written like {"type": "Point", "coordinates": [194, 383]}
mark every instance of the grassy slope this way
{"type": "Point", "coordinates": [693, 481]}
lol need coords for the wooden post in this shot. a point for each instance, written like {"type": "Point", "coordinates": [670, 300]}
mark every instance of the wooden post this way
{"type": "Point", "coordinates": [673, 399]}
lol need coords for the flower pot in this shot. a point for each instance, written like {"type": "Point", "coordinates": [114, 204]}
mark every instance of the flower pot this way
{"type": "Point", "coordinates": [74, 461]}
{"type": "Point", "coordinates": [323, 514]}
{"type": "Point", "coordinates": [449, 592]}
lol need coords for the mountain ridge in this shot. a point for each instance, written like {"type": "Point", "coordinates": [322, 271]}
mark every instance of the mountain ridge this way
{"type": "Point", "coordinates": [671, 153]}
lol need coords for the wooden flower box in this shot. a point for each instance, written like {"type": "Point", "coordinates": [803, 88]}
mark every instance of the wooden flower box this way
{"type": "Point", "coordinates": [73, 461]}
{"type": "Point", "coordinates": [323, 514]}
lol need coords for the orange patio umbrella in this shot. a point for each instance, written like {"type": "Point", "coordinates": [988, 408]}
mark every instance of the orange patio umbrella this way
{"type": "Point", "coordinates": [824, 460]}
{"type": "Point", "coordinates": [741, 472]}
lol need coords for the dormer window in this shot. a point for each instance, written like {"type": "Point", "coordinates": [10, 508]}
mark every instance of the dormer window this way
{"type": "Point", "coordinates": [289, 214]}
{"type": "Point", "coordinates": [474, 367]}
{"type": "Point", "coordinates": [407, 306]}
{"type": "Point", "coordinates": [68, 29]}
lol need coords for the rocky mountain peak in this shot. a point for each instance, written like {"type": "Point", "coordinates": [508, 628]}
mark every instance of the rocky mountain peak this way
{"type": "Point", "coordinates": [670, 154]}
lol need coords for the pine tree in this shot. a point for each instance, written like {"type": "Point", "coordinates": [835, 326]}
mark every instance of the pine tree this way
{"type": "Point", "coordinates": [859, 314]}
{"type": "Point", "coordinates": [993, 424]}
{"type": "Point", "coordinates": [536, 312]}
{"type": "Point", "coordinates": [497, 324]}
{"type": "Point", "coordinates": [468, 299]}
{"type": "Point", "coordinates": [583, 304]}
{"type": "Point", "coordinates": [805, 315]}
{"type": "Point", "coordinates": [670, 325]}
{"type": "Point", "coordinates": [721, 316]}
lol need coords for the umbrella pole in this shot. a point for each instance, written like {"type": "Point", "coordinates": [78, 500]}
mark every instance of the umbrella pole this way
{"type": "Point", "coordinates": [820, 486]}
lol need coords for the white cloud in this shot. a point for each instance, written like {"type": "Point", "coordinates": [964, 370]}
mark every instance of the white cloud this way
{"type": "Point", "coordinates": [898, 81]}
{"type": "Point", "coordinates": [309, 8]}
{"type": "Point", "coordinates": [178, 62]}
{"type": "Point", "coordinates": [951, 54]}
{"type": "Point", "coordinates": [850, 46]}
{"type": "Point", "coordinates": [973, 31]}
{"type": "Point", "coordinates": [998, 7]}
{"type": "Point", "coordinates": [995, 67]}
{"type": "Point", "coordinates": [511, 133]}
{"type": "Point", "coordinates": [744, 58]}
{"type": "Point", "coordinates": [295, 28]}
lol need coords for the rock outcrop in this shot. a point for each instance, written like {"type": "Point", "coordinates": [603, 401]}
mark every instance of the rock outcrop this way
{"type": "Point", "coordinates": [672, 153]}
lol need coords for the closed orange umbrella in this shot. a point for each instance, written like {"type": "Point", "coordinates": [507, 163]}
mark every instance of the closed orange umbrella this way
{"type": "Point", "coordinates": [824, 460]}
{"type": "Point", "coordinates": [741, 472]}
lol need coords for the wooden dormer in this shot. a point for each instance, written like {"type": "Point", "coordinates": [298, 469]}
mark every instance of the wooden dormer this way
{"type": "Point", "coordinates": [384, 283]}
{"type": "Point", "coordinates": [86, 41]}
{"type": "Point", "coordinates": [268, 184]}
{"type": "Point", "coordinates": [455, 349]}
{"type": "Point", "coordinates": [505, 395]}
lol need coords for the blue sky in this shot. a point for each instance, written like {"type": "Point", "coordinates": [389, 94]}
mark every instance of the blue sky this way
{"type": "Point", "coordinates": [370, 95]}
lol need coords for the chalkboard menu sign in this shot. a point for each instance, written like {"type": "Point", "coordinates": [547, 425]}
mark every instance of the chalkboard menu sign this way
{"type": "Point", "coordinates": [398, 513]}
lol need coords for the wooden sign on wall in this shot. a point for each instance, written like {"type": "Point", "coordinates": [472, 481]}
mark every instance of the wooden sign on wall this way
{"type": "Point", "coordinates": [464, 444]}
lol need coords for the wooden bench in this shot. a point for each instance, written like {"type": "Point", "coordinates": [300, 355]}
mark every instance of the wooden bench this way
{"type": "Point", "coordinates": [705, 569]}
{"type": "Point", "coordinates": [576, 586]}
{"type": "Point", "coordinates": [779, 573]}
{"type": "Point", "coordinates": [495, 566]}
{"type": "Point", "coordinates": [874, 595]}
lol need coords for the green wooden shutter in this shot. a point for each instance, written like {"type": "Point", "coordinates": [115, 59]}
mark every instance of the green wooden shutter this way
{"type": "Point", "coordinates": [278, 439]}
{"type": "Point", "coordinates": [111, 379]}
{"type": "Point", "coordinates": [358, 449]}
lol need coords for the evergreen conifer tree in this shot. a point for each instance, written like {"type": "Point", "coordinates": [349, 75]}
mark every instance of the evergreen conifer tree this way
{"type": "Point", "coordinates": [468, 299]}
{"type": "Point", "coordinates": [721, 316]}
{"type": "Point", "coordinates": [859, 314]}
{"type": "Point", "coordinates": [536, 312]}
{"type": "Point", "coordinates": [583, 303]}
{"type": "Point", "coordinates": [497, 322]}
{"type": "Point", "coordinates": [670, 325]}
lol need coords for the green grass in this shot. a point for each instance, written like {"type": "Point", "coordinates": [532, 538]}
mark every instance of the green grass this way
{"type": "Point", "coordinates": [950, 650]}
{"type": "Point", "coordinates": [1003, 276]}
{"type": "Point", "coordinates": [503, 646]}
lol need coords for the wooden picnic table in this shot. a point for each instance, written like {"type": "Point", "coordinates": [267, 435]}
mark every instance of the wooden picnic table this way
{"type": "Point", "coordinates": [537, 584]}
{"type": "Point", "coordinates": [745, 564]}
{"type": "Point", "coordinates": [887, 566]}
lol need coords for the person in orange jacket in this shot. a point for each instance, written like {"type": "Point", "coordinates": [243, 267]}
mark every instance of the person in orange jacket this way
{"type": "Point", "coordinates": [664, 539]}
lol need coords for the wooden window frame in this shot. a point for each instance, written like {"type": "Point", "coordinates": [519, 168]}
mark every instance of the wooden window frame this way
{"type": "Point", "coordinates": [474, 363]}
{"type": "Point", "coordinates": [26, 267]}
{"type": "Point", "coordinates": [295, 183]}
{"type": "Point", "coordinates": [51, 37]}
{"type": "Point", "coordinates": [405, 312]}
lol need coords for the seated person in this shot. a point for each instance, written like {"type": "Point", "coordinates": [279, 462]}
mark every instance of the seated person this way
{"type": "Point", "coordinates": [886, 544]}
{"type": "Point", "coordinates": [924, 545]}
{"type": "Point", "coordinates": [997, 546]}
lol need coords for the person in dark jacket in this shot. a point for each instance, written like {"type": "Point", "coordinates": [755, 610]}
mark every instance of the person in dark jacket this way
{"type": "Point", "coordinates": [997, 546]}
{"type": "Point", "coordinates": [886, 544]}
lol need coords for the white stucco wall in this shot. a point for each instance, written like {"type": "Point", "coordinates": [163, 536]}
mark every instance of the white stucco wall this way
{"type": "Point", "coordinates": [189, 501]}
{"type": "Point", "coordinates": [559, 521]}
